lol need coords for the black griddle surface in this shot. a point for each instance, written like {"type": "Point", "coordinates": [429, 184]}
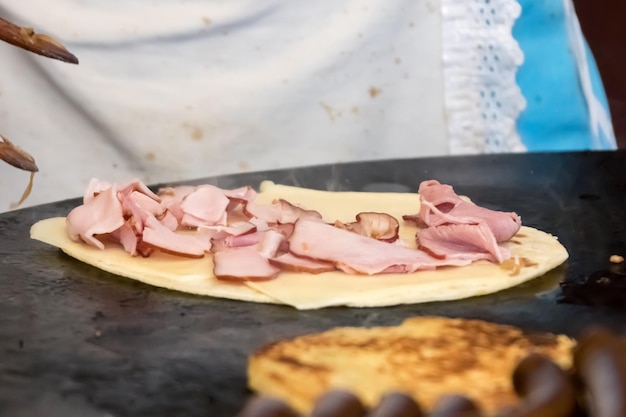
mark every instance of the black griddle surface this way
{"type": "Point", "coordinates": [75, 341]}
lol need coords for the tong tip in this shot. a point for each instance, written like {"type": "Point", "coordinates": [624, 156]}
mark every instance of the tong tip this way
{"type": "Point", "coordinates": [41, 44]}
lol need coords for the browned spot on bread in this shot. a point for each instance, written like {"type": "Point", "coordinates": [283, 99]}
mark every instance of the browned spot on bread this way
{"type": "Point", "coordinates": [516, 264]}
{"type": "Point", "coordinates": [527, 262]}
{"type": "Point", "coordinates": [287, 360]}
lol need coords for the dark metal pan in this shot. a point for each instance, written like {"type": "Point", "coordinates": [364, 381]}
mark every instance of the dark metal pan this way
{"type": "Point", "coordinates": [75, 341]}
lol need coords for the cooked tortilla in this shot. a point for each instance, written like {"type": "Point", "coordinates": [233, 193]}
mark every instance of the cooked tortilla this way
{"type": "Point", "coordinates": [425, 357]}
{"type": "Point", "coordinates": [539, 251]}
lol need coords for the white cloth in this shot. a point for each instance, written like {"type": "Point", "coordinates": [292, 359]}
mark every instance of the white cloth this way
{"type": "Point", "coordinates": [175, 90]}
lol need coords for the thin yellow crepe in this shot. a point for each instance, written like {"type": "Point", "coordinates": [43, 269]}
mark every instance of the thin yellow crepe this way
{"type": "Point", "coordinates": [304, 291]}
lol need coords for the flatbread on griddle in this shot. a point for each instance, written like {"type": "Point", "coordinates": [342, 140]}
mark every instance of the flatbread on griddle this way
{"type": "Point", "coordinates": [425, 357]}
{"type": "Point", "coordinates": [160, 269]}
{"type": "Point", "coordinates": [539, 252]}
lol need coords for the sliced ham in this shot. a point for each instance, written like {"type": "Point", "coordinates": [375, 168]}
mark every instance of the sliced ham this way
{"type": "Point", "coordinates": [146, 203]}
{"type": "Point", "coordinates": [379, 226]}
{"type": "Point", "coordinates": [246, 239]}
{"type": "Point", "coordinates": [291, 213]}
{"type": "Point", "coordinates": [441, 205]}
{"type": "Point", "coordinates": [243, 264]}
{"type": "Point", "coordinates": [126, 236]}
{"type": "Point", "coordinates": [132, 213]}
{"type": "Point", "coordinates": [205, 206]}
{"type": "Point", "coordinates": [172, 197]}
{"type": "Point", "coordinates": [175, 194]}
{"type": "Point", "coordinates": [241, 194]}
{"type": "Point", "coordinates": [95, 187]}
{"type": "Point", "coordinates": [458, 229]}
{"type": "Point", "coordinates": [219, 232]}
{"type": "Point", "coordinates": [160, 237]}
{"type": "Point", "coordinates": [254, 241]}
{"type": "Point", "coordinates": [290, 262]}
{"type": "Point", "coordinates": [101, 215]}
{"type": "Point", "coordinates": [168, 220]}
{"type": "Point", "coordinates": [354, 253]}
{"type": "Point", "coordinates": [236, 215]}
{"type": "Point", "coordinates": [503, 225]}
{"type": "Point", "coordinates": [261, 225]}
{"type": "Point", "coordinates": [137, 185]}
{"type": "Point", "coordinates": [279, 212]}
{"type": "Point", "coordinates": [462, 241]}
{"type": "Point", "coordinates": [123, 212]}
{"type": "Point", "coordinates": [270, 243]}
{"type": "Point", "coordinates": [130, 241]}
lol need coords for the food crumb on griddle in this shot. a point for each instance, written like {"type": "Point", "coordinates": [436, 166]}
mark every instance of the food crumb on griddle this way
{"type": "Point", "coordinates": [98, 333]}
{"type": "Point", "coordinates": [99, 315]}
{"type": "Point", "coordinates": [616, 259]}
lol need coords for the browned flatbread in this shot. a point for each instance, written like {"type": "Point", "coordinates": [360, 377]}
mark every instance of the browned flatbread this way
{"type": "Point", "coordinates": [425, 357]}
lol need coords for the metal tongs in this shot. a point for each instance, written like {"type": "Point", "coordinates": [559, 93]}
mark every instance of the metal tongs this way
{"type": "Point", "coordinates": [26, 38]}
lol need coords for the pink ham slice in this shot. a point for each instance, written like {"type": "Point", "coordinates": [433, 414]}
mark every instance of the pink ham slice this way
{"type": "Point", "coordinates": [172, 197]}
{"type": "Point", "coordinates": [146, 203]}
{"type": "Point", "coordinates": [441, 205]}
{"type": "Point", "coordinates": [458, 232]}
{"type": "Point", "coordinates": [97, 186]}
{"type": "Point", "coordinates": [132, 212]}
{"type": "Point", "coordinates": [136, 206]}
{"type": "Point", "coordinates": [100, 215]}
{"type": "Point", "coordinates": [243, 264]}
{"type": "Point", "coordinates": [122, 212]}
{"type": "Point", "coordinates": [168, 220]}
{"type": "Point", "coordinates": [379, 226]}
{"type": "Point", "coordinates": [249, 262]}
{"type": "Point", "coordinates": [175, 194]}
{"type": "Point", "coordinates": [279, 212]}
{"type": "Point", "coordinates": [241, 194]}
{"type": "Point", "coordinates": [462, 241]}
{"type": "Point", "coordinates": [270, 243]}
{"type": "Point", "coordinates": [457, 229]}
{"type": "Point", "coordinates": [127, 237]}
{"type": "Point", "coordinates": [130, 241]}
{"type": "Point", "coordinates": [354, 253]}
{"type": "Point", "coordinates": [160, 237]}
{"type": "Point", "coordinates": [290, 262]}
{"type": "Point", "coordinates": [94, 188]}
{"type": "Point", "coordinates": [137, 185]}
{"type": "Point", "coordinates": [219, 232]}
{"type": "Point", "coordinates": [267, 242]}
{"type": "Point", "coordinates": [503, 225]}
{"type": "Point", "coordinates": [205, 206]}
{"type": "Point", "coordinates": [247, 239]}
